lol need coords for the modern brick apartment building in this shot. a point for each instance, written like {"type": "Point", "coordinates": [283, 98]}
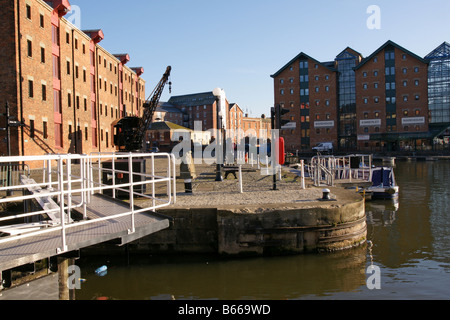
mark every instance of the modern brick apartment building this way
{"type": "Point", "coordinates": [392, 98]}
{"type": "Point", "coordinates": [377, 103]}
{"type": "Point", "coordinates": [60, 83]}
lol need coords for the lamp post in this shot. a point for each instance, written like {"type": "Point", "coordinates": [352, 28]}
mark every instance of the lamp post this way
{"type": "Point", "coordinates": [219, 149]}
{"type": "Point", "coordinates": [9, 123]}
{"type": "Point", "coordinates": [217, 93]}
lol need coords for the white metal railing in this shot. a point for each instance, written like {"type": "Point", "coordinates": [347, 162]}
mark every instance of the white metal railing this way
{"type": "Point", "coordinates": [9, 173]}
{"type": "Point", "coordinates": [72, 179]}
{"type": "Point", "coordinates": [326, 170]}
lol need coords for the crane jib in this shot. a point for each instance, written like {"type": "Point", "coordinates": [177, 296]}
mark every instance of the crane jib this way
{"type": "Point", "coordinates": [131, 140]}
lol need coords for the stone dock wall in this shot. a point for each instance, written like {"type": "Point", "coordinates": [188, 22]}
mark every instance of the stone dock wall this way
{"type": "Point", "coordinates": [236, 230]}
{"type": "Point", "coordinates": [218, 219]}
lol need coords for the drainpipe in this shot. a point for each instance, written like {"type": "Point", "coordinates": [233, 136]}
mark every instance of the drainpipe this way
{"type": "Point", "coordinates": [119, 95]}
{"type": "Point", "coordinates": [19, 36]}
{"type": "Point", "coordinates": [97, 102]}
{"type": "Point", "coordinates": [76, 136]}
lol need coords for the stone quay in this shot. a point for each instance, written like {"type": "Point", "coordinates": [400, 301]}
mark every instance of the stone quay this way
{"type": "Point", "coordinates": [217, 218]}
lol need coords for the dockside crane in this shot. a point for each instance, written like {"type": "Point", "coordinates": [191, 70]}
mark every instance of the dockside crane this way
{"type": "Point", "coordinates": [129, 132]}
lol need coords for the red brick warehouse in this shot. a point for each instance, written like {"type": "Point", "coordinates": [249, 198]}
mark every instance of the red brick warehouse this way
{"type": "Point", "coordinates": [60, 83]}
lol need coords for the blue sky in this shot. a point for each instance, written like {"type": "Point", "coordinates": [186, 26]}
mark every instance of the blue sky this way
{"type": "Point", "coordinates": [237, 44]}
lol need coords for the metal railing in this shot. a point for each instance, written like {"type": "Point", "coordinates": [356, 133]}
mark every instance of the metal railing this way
{"type": "Point", "coordinates": [326, 170]}
{"type": "Point", "coordinates": [69, 181]}
{"type": "Point", "coordinates": [10, 173]}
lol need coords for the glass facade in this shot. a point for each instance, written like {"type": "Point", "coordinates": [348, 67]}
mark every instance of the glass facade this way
{"type": "Point", "coordinates": [304, 101]}
{"type": "Point", "coordinates": [439, 84]}
{"type": "Point", "coordinates": [345, 63]}
{"type": "Point", "coordinates": [391, 92]}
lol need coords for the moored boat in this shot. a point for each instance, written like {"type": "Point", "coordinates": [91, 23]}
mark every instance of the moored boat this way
{"type": "Point", "coordinates": [384, 185]}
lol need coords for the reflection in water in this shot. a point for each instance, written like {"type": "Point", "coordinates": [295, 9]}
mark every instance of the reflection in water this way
{"type": "Point", "coordinates": [382, 213]}
{"type": "Point", "coordinates": [203, 277]}
{"type": "Point", "coordinates": [408, 241]}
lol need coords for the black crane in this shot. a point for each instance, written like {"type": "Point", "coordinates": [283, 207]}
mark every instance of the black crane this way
{"type": "Point", "coordinates": [129, 132]}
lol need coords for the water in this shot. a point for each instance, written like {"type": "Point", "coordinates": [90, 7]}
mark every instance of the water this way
{"type": "Point", "coordinates": [409, 243]}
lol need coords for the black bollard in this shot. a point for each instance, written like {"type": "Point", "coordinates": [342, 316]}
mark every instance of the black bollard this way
{"type": "Point", "coordinates": [188, 186]}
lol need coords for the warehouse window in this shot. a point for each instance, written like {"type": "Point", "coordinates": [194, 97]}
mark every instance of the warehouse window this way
{"type": "Point", "coordinates": [56, 73]}
{"type": "Point", "coordinates": [32, 134]}
{"type": "Point", "coordinates": [42, 55]}
{"type": "Point", "coordinates": [55, 35]}
{"type": "Point", "coordinates": [94, 137]}
{"type": "Point", "coordinates": [30, 89]}
{"type": "Point", "coordinates": [58, 135]}
{"type": "Point", "coordinates": [28, 11]}
{"type": "Point", "coordinates": [45, 130]}
{"type": "Point", "coordinates": [57, 101]}
{"type": "Point", "coordinates": [29, 48]}
{"type": "Point", "coordinates": [44, 92]}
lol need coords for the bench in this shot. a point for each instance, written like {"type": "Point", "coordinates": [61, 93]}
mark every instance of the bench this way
{"type": "Point", "coordinates": [230, 170]}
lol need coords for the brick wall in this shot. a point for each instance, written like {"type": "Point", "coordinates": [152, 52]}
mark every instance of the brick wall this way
{"type": "Point", "coordinates": [9, 81]}
{"type": "Point", "coordinates": [37, 76]}
{"type": "Point", "coordinates": [88, 107]}
{"type": "Point", "coordinates": [388, 102]}
{"type": "Point", "coordinates": [287, 94]}
{"type": "Point", "coordinates": [323, 103]}
{"type": "Point", "coordinates": [371, 85]}
{"type": "Point", "coordinates": [411, 97]}
{"type": "Point", "coordinates": [412, 92]}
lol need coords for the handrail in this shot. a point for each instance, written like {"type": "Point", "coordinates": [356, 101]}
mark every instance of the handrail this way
{"type": "Point", "coordinates": [338, 168]}
{"type": "Point", "coordinates": [63, 182]}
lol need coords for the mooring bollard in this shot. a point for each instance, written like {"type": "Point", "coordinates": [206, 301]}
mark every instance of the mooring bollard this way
{"type": "Point", "coordinates": [241, 190]}
{"type": "Point", "coordinates": [188, 186]}
{"type": "Point", "coordinates": [326, 194]}
{"type": "Point", "coordinates": [187, 172]}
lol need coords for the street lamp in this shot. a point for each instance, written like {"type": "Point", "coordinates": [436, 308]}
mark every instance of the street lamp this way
{"type": "Point", "coordinates": [217, 94]}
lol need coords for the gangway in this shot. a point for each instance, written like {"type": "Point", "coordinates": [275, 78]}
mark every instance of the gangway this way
{"type": "Point", "coordinates": [42, 197]}
{"type": "Point", "coordinates": [71, 186]}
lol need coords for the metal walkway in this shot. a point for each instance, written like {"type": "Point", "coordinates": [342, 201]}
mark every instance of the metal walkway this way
{"type": "Point", "coordinates": [34, 248]}
{"type": "Point", "coordinates": [90, 216]}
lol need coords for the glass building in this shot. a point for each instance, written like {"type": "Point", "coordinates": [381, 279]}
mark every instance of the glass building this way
{"type": "Point", "coordinates": [439, 84]}
{"type": "Point", "coordinates": [346, 61]}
